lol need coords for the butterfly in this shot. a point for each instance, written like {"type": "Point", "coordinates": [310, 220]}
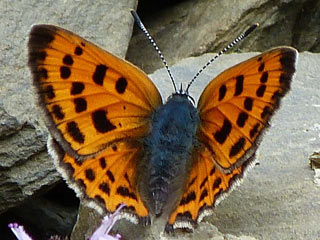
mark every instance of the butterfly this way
{"type": "Point", "coordinates": [114, 141]}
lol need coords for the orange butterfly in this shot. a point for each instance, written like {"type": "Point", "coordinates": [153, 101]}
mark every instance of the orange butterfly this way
{"type": "Point", "coordinates": [115, 142]}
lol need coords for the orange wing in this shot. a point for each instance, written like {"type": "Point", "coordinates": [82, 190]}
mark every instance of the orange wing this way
{"type": "Point", "coordinates": [90, 97]}
{"type": "Point", "coordinates": [97, 107]}
{"type": "Point", "coordinates": [106, 180]}
{"type": "Point", "coordinates": [206, 186]}
{"type": "Point", "coordinates": [236, 106]}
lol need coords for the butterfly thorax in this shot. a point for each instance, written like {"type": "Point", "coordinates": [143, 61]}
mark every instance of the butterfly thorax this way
{"type": "Point", "coordinates": [168, 158]}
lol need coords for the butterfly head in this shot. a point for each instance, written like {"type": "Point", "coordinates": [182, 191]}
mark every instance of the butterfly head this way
{"type": "Point", "coordinates": [182, 95]}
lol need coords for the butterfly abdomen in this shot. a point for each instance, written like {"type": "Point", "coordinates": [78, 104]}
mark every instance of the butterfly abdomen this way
{"type": "Point", "coordinates": [168, 158]}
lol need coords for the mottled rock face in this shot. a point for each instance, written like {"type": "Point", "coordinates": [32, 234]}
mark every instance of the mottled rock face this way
{"type": "Point", "coordinates": [278, 194]}
{"type": "Point", "coordinates": [191, 28]}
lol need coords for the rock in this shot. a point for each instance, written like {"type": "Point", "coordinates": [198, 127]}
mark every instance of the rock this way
{"type": "Point", "coordinates": [191, 28]}
{"type": "Point", "coordinates": [315, 165]}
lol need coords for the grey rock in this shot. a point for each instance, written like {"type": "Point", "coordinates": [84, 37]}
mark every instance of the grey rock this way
{"type": "Point", "coordinates": [191, 28]}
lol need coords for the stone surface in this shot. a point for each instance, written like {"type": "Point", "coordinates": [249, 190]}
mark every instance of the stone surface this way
{"type": "Point", "coordinates": [191, 28]}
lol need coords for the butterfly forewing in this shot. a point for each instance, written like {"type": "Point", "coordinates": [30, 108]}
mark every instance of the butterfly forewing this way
{"type": "Point", "coordinates": [90, 97]}
{"type": "Point", "coordinates": [236, 106]}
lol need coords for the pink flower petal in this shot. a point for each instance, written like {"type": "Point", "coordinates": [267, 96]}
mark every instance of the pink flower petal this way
{"type": "Point", "coordinates": [102, 232]}
{"type": "Point", "coordinates": [19, 231]}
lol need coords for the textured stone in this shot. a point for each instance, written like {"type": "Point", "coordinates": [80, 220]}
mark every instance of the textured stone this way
{"type": "Point", "coordinates": [191, 28]}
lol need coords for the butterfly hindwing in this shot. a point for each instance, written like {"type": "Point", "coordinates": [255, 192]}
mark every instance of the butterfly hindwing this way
{"type": "Point", "coordinates": [90, 97]}
{"type": "Point", "coordinates": [236, 106]}
{"type": "Point", "coordinates": [206, 186]}
{"type": "Point", "coordinates": [102, 182]}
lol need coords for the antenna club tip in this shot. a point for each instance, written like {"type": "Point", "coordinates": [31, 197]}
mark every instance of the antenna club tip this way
{"type": "Point", "coordinates": [251, 29]}
{"type": "Point", "coordinates": [132, 11]}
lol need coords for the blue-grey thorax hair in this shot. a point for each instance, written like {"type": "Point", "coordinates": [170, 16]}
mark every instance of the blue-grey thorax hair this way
{"type": "Point", "coordinates": [168, 148]}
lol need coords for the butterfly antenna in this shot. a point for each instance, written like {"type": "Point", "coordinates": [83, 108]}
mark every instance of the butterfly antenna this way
{"type": "Point", "coordinates": [230, 45]}
{"type": "Point", "coordinates": [145, 31]}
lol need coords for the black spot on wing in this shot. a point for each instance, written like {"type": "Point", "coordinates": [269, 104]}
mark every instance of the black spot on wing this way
{"type": "Point", "coordinates": [264, 77]}
{"type": "Point", "coordinates": [237, 147]}
{"type": "Point", "coordinates": [110, 176]}
{"type": "Point", "coordinates": [121, 85]}
{"type": "Point", "coordinates": [127, 179]}
{"type": "Point", "coordinates": [99, 199]}
{"type": "Point", "coordinates": [65, 72]}
{"type": "Point", "coordinates": [248, 102]}
{"type": "Point", "coordinates": [123, 191]}
{"type": "Point", "coordinates": [103, 163]}
{"type": "Point", "coordinates": [57, 112]}
{"type": "Point", "coordinates": [78, 50]}
{"type": "Point", "coordinates": [192, 182]}
{"type": "Point", "coordinates": [99, 74]}
{"type": "Point", "coordinates": [74, 132]}
{"type": "Point", "coordinates": [204, 182]}
{"type": "Point", "coordinates": [253, 132]}
{"type": "Point", "coordinates": [266, 112]}
{"type": "Point", "coordinates": [242, 118]}
{"type": "Point", "coordinates": [190, 197]}
{"type": "Point", "coordinates": [77, 88]}
{"type": "Point", "coordinates": [80, 105]}
{"type": "Point", "coordinates": [261, 90]}
{"type": "Point", "coordinates": [204, 193]}
{"type": "Point", "coordinates": [104, 187]}
{"type": "Point", "coordinates": [239, 85]}
{"type": "Point", "coordinates": [221, 135]}
{"type": "Point", "coordinates": [216, 184]}
{"type": "Point", "coordinates": [185, 215]}
{"type": "Point", "coordinates": [49, 91]}
{"type": "Point", "coordinates": [90, 175]}
{"type": "Point", "coordinates": [101, 123]}
{"type": "Point", "coordinates": [212, 171]}
{"type": "Point", "coordinates": [68, 60]}
{"type": "Point", "coordinates": [222, 92]}
{"type": "Point", "coordinates": [261, 67]}
{"type": "Point", "coordinates": [114, 148]}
